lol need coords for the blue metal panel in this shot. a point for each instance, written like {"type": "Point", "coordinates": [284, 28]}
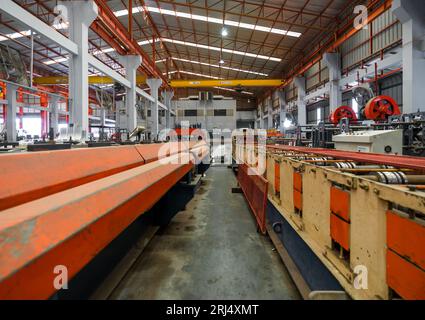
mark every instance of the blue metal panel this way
{"type": "Point", "coordinates": [314, 272]}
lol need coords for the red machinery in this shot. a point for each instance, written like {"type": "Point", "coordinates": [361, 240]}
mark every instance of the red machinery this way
{"type": "Point", "coordinates": [381, 108]}
{"type": "Point", "coordinates": [341, 113]}
{"type": "Point", "coordinates": [81, 200]}
{"type": "Point", "coordinates": [189, 132]}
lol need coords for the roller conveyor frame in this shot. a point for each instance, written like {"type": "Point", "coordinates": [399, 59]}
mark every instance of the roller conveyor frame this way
{"type": "Point", "coordinates": [332, 220]}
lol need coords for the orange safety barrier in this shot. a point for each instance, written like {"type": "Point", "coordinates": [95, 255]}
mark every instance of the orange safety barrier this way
{"type": "Point", "coordinates": [255, 189]}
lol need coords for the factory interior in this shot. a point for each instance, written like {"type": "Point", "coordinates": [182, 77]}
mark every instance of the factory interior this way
{"type": "Point", "coordinates": [238, 150]}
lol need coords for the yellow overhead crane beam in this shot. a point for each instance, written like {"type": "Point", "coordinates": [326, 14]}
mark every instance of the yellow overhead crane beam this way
{"type": "Point", "coordinates": [173, 83]}
{"type": "Point", "coordinates": [92, 80]}
{"type": "Point", "coordinates": [226, 83]}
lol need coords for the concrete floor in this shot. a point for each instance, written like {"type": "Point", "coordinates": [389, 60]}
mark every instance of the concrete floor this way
{"type": "Point", "coordinates": [209, 251]}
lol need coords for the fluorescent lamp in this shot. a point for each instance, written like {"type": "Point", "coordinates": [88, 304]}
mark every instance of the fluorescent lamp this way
{"type": "Point", "coordinates": [222, 67]}
{"type": "Point", "coordinates": [202, 46]}
{"type": "Point", "coordinates": [193, 74]}
{"type": "Point", "coordinates": [287, 123]}
{"type": "Point", "coordinates": [233, 90]}
{"type": "Point", "coordinates": [54, 61]}
{"type": "Point", "coordinates": [198, 17]}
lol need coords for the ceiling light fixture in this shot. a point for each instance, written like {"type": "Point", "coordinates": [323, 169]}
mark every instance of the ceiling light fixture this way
{"type": "Point", "coordinates": [233, 90]}
{"type": "Point", "coordinates": [236, 52]}
{"type": "Point", "coordinates": [198, 17]}
{"type": "Point", "coordinates": [224, 32]}
{"type": "Point", "coordinates": [221, 67]}
{"type": "Point", "coordinates": [193, 74]}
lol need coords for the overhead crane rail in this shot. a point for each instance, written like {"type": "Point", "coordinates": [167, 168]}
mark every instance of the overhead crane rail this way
{"type": "Point", "coordinates": [226, 83]}
{"type": "Point", "coordinates": [141, 79]}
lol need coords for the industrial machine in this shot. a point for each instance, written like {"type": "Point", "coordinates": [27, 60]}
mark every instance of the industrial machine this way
{"type": "Point", "coordinates": [343, 112]}
{"type": "Point", "coordinates": [381, 108]}
{"type": "Point", "coordinates": [342, 221]}
{"type": "Point", "coordinates": [379, 120]}
{"type": "Point", "coordinates": [375, 141]}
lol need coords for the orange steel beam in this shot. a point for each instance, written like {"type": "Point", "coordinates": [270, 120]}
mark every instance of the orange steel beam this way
{"type": "Point", "coordinates": [71, 227]}
{"type": "Point", "coordinates": [317, 55]}
{"type": "Point", "coordinates": [61, 170]}
{"type": "Point", "coordinates": [123, 40]}
{"type": "Point", "coordinates": [101, 32]}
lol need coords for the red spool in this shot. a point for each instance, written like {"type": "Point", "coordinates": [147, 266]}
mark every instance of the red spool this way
{"type": "Point", "coordinates": [342, 112]}
{"type": "Point", "coordinates": [381, 108]}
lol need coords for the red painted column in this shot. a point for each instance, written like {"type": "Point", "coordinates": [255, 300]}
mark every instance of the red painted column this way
{"type": "Point", "coordinates": [3, 90]}
{"type": "Point", "coordinates": [90, 114]}
{"type": "Point", "coordinates": [44, 102]}
{"type": "Point", "coordinates": [21, 109]}
{"type": "Point", "coordinates": [67, 110]}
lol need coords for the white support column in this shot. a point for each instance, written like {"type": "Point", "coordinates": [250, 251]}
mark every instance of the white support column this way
{"type": "Point", "coordinates": [154, 85]}
{"type": "Point", "coordinates": [131, 63]}
{"type": "Point", "coordinates": [54, 115]}
{"type": "Point", "coordinates": [333, 62]}
{"type": "Point", "coordinates": [411, 14]}
{"type": "Point", "coordinates": [301, 105]}
{"type": "Point", "coordinates": [261, 125]}
{"type": "Point", "coordinates": [102, 117]}
{"type": "Point", "coordinates": [81, 14]}
{"type": "Point", "coordinates": [121, 117]}
{"type": "Point", "coordinates": [168, 96]}
{"type": "Point", "coordinates": [270, 113]}
{"type": "Point", "coordinates": [12, 105]}
{"type": "Point", "coordinates": [282, 105]}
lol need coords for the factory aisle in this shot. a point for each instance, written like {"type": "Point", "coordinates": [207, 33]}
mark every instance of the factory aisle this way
{"type": "Point", "coordinates": [210, 251]}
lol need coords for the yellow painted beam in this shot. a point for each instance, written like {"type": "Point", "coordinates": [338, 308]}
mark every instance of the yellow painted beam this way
{"type": "Point", "coordinates": [174, 83]}
{"type": "Point", "coordinates": [92, 80]}
{"type": "Point", "coordinates": [226, 83]}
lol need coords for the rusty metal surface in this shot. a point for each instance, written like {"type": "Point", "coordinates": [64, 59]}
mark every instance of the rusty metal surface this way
{"type": "Point", "coordinates": [406, 162]}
